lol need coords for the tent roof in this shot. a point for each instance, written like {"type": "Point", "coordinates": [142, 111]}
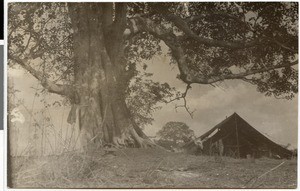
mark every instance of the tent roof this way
{"type": "Point", "coordinates": [246, 130]}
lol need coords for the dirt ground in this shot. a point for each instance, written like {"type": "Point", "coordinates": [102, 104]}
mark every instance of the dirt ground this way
{"type": "Point", "coordinates": [150, 168]}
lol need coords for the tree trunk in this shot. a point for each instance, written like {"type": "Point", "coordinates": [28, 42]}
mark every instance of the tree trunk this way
{"type": "Point", "coordinates": [100, 79]}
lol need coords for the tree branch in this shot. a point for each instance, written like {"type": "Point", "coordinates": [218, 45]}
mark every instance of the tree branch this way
{"type": "Point", "coordinates": [183, 96]}
{"type": "Point", "coordinates": [141, 24]}
{"type": "Point", "coordinates": [282, 45]}
{"type": "Point", "coordinates": [64, 90]}
{"type": "Point", "coordinates": [241, 75]}
{"type": "Point", "coordinates": [221, 14]}
{"type": "Point", "coordinates": [186, 74]}
{"type": "Point", "coordinates": [182, 25]}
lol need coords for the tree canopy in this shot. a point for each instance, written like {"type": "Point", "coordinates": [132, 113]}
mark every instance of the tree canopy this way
{"type": "Point", "coordinates": [176, 132]}
{"type": "Point", "coordinates": [215, 41]}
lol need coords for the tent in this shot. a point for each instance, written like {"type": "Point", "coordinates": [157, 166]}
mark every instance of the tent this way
{"type": "Point", "coordinates": [236, 138]}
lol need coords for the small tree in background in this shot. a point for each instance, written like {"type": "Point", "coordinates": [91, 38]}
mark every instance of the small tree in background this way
{"type": "Point", "coordinates": [174, 134]}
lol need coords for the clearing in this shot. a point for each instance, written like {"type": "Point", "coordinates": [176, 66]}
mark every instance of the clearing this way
{"type": "Point", "coordinates": [150, 168]}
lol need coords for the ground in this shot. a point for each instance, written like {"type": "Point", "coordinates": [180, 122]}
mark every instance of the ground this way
{"type": "Point", "coordinates": [150, 168]}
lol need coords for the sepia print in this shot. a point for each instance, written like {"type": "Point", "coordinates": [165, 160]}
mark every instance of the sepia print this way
{"type": "Point", "coordinates": [152, 95]}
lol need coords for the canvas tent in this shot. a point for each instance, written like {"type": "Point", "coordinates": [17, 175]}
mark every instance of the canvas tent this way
{"type": "Point", "coordinates": [238, 139]}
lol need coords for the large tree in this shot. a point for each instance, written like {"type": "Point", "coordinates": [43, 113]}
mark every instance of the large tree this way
{"type": "Point", "coordinates": [88, 53]}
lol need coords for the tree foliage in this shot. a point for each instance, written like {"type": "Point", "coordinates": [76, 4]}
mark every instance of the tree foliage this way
{"type": "Point", "coordinates": [211, 42]}
{"type": "Point", "coordinates": [175, 132]}
{"type": "Point", "coordinates": [143, 96]}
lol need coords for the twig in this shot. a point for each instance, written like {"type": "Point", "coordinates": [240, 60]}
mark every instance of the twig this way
{"type": "Point", "coordinates": [183, 96]}
{"type": "Point", "coordinates": [186, 108]}
{"type": "Point", "coordinates": [271, 170]}
{"type": "Point", "coordinates": [256, 179]}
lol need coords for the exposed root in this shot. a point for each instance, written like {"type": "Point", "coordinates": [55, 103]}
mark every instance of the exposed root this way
{"type": "Point", "coordinates": [140, 141]}
{"type": "Point", "coordinates": [130, 139]}
{"type": "Point", "coordinates": [146, 143]}
{"type": "Point", "coordinates": [119, 142]}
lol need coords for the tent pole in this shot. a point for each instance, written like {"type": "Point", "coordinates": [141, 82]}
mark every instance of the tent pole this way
{"type": "Point", "coordinates": [237, 137]}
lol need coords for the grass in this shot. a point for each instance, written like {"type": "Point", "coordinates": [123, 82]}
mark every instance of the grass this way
{"type": "Point", "coordinates": [149, 168]}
